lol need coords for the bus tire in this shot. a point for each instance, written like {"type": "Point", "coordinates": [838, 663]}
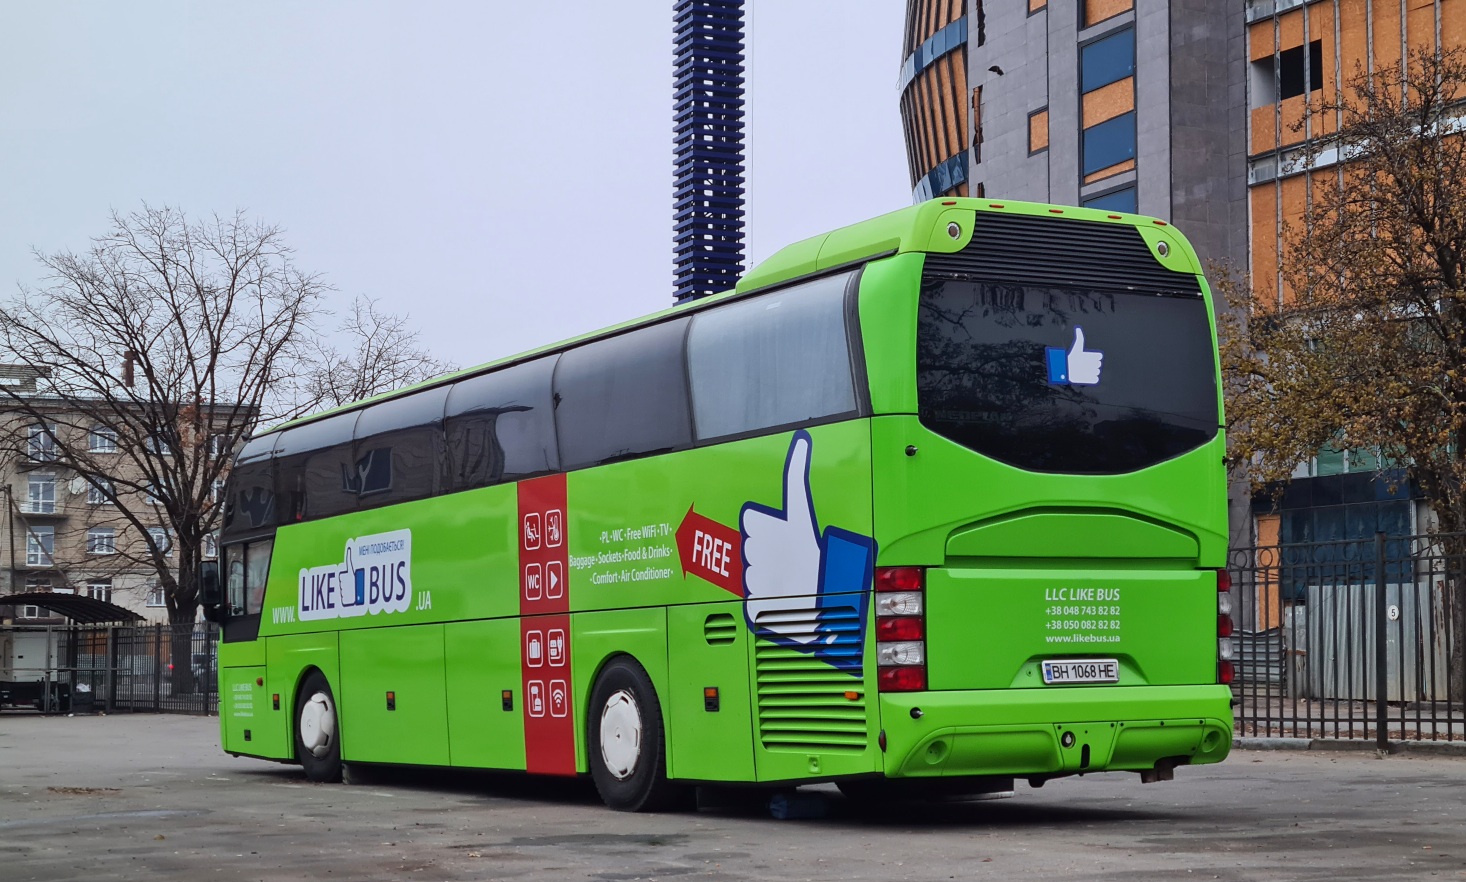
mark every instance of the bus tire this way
{"type": "Point", "coordinates": [317, 729]}
{"type": "Point", "coordinates": [626, 742]}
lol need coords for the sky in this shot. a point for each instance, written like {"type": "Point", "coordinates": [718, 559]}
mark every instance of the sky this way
{"type": "Point", "coordinates": [498, 172]}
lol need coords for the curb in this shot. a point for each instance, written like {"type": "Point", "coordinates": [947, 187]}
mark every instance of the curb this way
{"type": "Point", "coordinates": [1435, 749]}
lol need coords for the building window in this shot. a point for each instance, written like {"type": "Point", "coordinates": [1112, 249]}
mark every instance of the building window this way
{"type": "Point", "coordinates": [99, 589]}
{"type": "Point", "coordinates": [101, 540]}
{"type": "Point", "coordinates": [1288, 74]}
{"type": "Point", "coordinates": [1107, 60]}
{"type": "Point", "coordinates": [211, 545]}
{"type": "Point", "coordinates": [1037, 6]}
{"type": "Point", "coordinates": [1291, 79]}
{"type": "Point", "coordinates": [100, 492]}
{"type": "Point", "coordinates": [1109, 143]}
{"type": "Point", "coordinates": [218, 446]}
{"type": "Point", "coordinates": [157, 444]}
{"type": "Point", "coordinates": [37, 583]}
{"type": "Point", "coordinates": [151, 492]}
{"type": "Point", "coordinates": [216, 492]}
{"type": "Point", "coordinates": [1115, 200]}
{"type": "Point", "coordinates": [1096, 11]}
{"type": "Point", "coordinates": [155, 596]}
{"type": "Point", "coordinates": [41, 442]}
{"type": "Point", "coordinates": [30, 611]}
{"type": "Point", "coordinates": [1038, 131]}
{"type": "Point", "coordinates": [102, 439]}
{"type": "Point", "coordinates": [40, 545]}
{"type": "Point", "coordinates": [161, 540]}
{"type": "Point", "coordinates": [40, 493]}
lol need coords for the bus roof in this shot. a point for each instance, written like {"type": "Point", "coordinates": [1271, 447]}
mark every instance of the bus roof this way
{"type": "Point", "coordinates": [921, 227]}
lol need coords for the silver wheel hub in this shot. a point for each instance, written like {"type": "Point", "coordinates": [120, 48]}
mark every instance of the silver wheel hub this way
{"type": "Point", "coordinates": [318, 724]}
{"type": "Point", "coordinates": [621, 734]}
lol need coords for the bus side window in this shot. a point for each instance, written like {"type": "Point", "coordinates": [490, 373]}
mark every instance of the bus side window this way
{"type": "Point", "coordinates": [500, 426]}
{"type": "Point", "coordinates": [256, 574]}
{"type": "Point", "coordinates": [774, 360]}
{"type": "Point", "coordinates": [246, 570]}
{"type": "Point", "coordinates": [398, 449]}
{"type": "Point", "coordinates": [252, 497]}
{"type": "Point", "coordinates": [234, 579]}
{"type": "Point", "coordinates": [330, 484]}
{"type": "Point", "coordinates": [623, 397]}
{"type": "Point", "coordinates": [296, 454]}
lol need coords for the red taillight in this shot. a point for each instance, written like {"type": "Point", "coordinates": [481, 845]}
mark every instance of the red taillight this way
{"type": "Point", "coordinates": [900, 578]}
{"type": "Point", "coordinates": [901, 679]}
{"type": "Point", "coordinates": [900, 628]}
{"type": "Point", "coordinates": [1226, 650]}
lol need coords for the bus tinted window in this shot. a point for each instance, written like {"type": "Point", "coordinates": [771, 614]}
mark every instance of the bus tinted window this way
{"type": "Point", "coordinates": [251, 503]}
{"type": "Point", "coordinates": [1064, 379]}
{"type": "Point", "coordinates": [327, 480]}
{"type": "Point", "coordinates": [775, 360]}
{"type": "Point", "coordinates": [501, 426]}
{"type": "Point", "coordinates": [398, 466]}
{"type": "Point", "coordinates": [623, 397]}
{"type": "Point", "coordinates": [297, 453]}
{"type": "Point", "coordinates": [399, 449]}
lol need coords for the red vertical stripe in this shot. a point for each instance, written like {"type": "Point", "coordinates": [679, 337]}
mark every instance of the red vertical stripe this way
{"type": "Point", "coordinates": [547, 702]}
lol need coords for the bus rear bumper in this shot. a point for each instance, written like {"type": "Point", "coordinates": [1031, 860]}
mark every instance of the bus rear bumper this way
{"type": "Point", "coordinates": [1049, 732]}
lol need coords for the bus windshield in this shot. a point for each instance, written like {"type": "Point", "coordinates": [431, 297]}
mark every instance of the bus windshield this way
{"type": "Point", "coordinates": [1065, 380]}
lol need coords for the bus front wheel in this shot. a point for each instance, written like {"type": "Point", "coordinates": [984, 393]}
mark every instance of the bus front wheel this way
{"type": "Point", "coordinates": [317, 729]}
{"type": "Point", "coordinates": [628, 755]}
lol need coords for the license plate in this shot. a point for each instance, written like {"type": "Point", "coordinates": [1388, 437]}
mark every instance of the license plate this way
{"type": "Point", "coordinates": [1081, 670]}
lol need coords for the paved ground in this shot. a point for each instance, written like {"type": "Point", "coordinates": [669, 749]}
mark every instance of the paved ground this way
{"type": "Point", "coordinates": [151, 797]}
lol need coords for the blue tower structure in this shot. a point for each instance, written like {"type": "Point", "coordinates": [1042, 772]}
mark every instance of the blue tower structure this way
{"type": "Point", "coordinates": [708, 139]}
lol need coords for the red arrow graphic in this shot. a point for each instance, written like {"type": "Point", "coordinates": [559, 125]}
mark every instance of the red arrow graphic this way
{"type": "Point", "coordinates": [711, 551]}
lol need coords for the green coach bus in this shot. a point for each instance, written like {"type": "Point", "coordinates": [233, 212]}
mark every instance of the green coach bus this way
{"type": "Point", "coordinates": [927, 504]}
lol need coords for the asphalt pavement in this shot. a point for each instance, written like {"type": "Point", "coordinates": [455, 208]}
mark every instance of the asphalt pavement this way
{"type": "Point", "coordinates": [152, 798]}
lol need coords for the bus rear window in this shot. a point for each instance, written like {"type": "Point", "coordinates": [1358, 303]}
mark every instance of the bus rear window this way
{"type": "Point", "coordinates": [1065, 380]}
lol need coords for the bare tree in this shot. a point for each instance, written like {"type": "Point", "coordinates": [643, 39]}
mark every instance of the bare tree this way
{"type": "Point", "coordinates": [172, 339]}
{"type": "Point", "coordinates": [386, 353]}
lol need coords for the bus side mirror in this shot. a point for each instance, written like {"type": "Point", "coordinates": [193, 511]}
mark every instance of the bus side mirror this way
{"type": "Point", "coordinates": [209, 595]}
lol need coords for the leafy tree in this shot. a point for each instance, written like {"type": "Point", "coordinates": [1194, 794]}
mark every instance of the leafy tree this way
{"type": "Point", "coordinates": [1365, 346]}
{"type": "Point", "coordinates": [174, 339]}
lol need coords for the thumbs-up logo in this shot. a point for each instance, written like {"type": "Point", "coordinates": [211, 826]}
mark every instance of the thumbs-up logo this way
{"type": "Point", "coordinates": [793, 568]}
{"type": "Point", "coordinates": [1076, 366]}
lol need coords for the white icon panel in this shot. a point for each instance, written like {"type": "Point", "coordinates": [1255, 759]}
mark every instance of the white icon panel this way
{"type": "Point", "coordinates": [559, 699]}
{"type": "Point", "coordinates": [532, 531]}
{"type": "Point", "coordinates": [554, 528]}
{"type": "Point", "coordinates": [556, 648]}
{"type": "Point", "coordinates": [537, 698]}
{"type": "Point", "coordinates": [554, 580]}
{"type": "Point", "coordinates": [533, 582]}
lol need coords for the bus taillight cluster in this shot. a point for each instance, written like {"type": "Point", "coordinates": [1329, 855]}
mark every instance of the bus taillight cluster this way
{"type": "Point", "coordinates": [1226, 649]}
{"type": "Point", "coordinates": [900, 629]}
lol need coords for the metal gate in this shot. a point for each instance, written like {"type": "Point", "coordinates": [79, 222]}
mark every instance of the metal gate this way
{"type": "Point", "coordinates": [1351, 639]}
{"type": "Point", "coordinates": [151, 668]}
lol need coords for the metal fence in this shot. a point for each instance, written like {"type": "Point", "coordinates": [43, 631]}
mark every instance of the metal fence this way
{"type": "Point", "coordinates": [149, 668]}
{"type": "Point", "coordinates": [1352, 639]}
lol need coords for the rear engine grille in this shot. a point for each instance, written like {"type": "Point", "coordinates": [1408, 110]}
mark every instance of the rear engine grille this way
{"type": "Point", "coordinates": [802, 700]}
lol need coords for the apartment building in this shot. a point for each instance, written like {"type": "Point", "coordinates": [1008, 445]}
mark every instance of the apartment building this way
{"type": "Point", "coordinates": [62, 532]}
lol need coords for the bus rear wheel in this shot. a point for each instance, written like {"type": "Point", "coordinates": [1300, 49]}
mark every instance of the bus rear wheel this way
{"type": "Point", "coordinates": [627, 744]}
{"type": "Point", "coordinates": [317, 729]}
